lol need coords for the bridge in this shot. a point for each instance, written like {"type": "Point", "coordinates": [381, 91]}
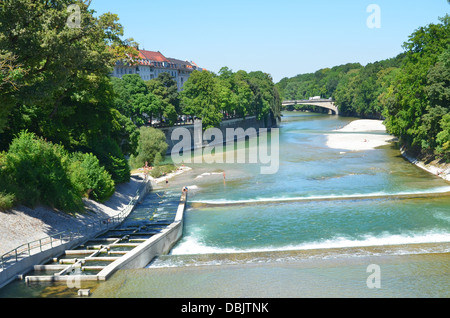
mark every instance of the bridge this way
{"type": "Point", "coordinates": [324, 103]}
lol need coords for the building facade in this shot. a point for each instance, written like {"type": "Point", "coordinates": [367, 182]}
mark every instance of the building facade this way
{"type": "Point", "coordinates": [150, 64]}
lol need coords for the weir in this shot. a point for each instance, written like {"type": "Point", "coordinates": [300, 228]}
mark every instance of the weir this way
{"type": "Point", "coordinates": [394, 196]}
{"type": "Point", "coordinates": [124, 247]}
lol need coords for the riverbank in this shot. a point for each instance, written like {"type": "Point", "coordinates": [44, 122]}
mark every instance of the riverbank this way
{"type": "Point", "coordinates": [441, 170]}
{"type": "Point", "coordinates": [366, 134]}
{"type": "Point", "coordinates": [21, 225]}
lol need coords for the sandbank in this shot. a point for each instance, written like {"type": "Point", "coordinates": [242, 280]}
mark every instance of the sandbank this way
{"type": "Point", "coordinates": [367, 134]}
{"type": "Point", "coordinates": [359, 135]}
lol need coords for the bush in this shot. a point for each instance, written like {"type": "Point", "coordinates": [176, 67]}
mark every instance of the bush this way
{"type": "Point", "coordinates": [160, 171]}
{"type": "Point", "coordinates": [6, 201]}
{"type": "Point", "coordinates": [110, 156]}
{"type": "Point", "coordinates": [34, 172]}
{"type": "Point", "coordinates": [89, 178]}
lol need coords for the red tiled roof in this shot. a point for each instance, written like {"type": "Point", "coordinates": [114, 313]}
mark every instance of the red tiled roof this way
{"type": "Point", "coordinates": [152, 56]}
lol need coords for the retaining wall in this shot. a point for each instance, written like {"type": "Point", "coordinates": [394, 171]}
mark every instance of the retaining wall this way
{"type": "Point", "coordinates": [249, 122]}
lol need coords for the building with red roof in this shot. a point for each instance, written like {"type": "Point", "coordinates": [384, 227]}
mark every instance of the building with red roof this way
{"type": "Point", "coordinates": [150, 64]}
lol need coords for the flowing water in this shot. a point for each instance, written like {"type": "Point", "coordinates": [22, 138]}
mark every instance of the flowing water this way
{"type": "Point", "coordinates": [320, 198]}
{"type": "Point", "coordinates": [311, 229]}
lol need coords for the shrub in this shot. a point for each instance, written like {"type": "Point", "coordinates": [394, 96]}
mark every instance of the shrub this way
{"type": "Point", "coordinates": [89, 178]}
{"type": "Point", "coordinates": [111, 157]}
{"type": "Point", "coordinates": [6, 201]}
{"type": "Point", "coordinates": [160, 171]}
{"type": "Point", "coordinates": [35, 171]}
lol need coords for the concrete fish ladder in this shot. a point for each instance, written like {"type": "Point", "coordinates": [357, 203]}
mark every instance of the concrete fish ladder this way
{"type": "Point", "coordinates": [141, 254]}
{"type": "Point", "coordinates": [157, 245]}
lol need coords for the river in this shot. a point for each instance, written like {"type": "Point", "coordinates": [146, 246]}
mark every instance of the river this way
{"type": "Point", "coordinates": [313, 229]}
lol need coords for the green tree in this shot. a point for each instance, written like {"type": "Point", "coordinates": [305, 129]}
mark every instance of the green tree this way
{"type": "Point", "coordinates": [200, 97]}
{"type": "Point", "coordinates": [151, 142]}
{"type": "Point", "coordinates": [411, 115]}
{"type": "Point", "coordinates": [443, 138]}
{"type": "Point", "coordinates": [166, 90]}
{"type": "Point", "coordinates": [63, 93]}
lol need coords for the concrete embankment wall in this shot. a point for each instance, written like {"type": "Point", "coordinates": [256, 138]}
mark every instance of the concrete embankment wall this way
{"type": "Point", "coordinates": [157, 245]}
{"type": "Point", "coordinates": [27, 264]}
{"type": "Point", "coordinates": [245, 124]}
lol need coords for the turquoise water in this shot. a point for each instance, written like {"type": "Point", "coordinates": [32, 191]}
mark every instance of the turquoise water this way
{"type": "Point", "coordinates": [311, 230]}
{"type": "Point", "coordinates": [320, 198]}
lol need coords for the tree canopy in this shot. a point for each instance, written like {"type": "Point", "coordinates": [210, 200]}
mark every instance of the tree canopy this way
{"type": "Point", "coordinates": [55, 84]}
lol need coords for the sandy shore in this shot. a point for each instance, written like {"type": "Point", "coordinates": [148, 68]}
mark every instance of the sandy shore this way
{"type": "Point", "coordinates": [360, 135]}
{"type": "Point", "coordinates": [22, 225]}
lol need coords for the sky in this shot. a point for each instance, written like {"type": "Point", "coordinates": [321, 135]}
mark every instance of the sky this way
{"type": "Point", "coordinates": [281, 37]}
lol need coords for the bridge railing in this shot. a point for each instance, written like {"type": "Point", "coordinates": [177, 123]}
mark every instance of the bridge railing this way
{"type": "Point", "coordinates": [300, 101]}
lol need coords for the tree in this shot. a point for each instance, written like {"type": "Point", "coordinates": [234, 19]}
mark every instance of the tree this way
{"type": "Point", "coordinates": [200, 97]}
{"type": "Point", "coordinates": [10, 75]}
{"type": "Point", "coordinates": [443, 138]}
{"type": "Point", "coordinates": [166, 90]}
{"type": "Point", "coordinates": [151, 142]}
{"type": "Point", "coordinates": [63, 93]}
{"type": "Point", "coordinates": [413, 114]}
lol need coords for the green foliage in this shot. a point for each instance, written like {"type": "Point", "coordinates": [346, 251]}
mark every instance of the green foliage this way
{"type": "Point", "coordinates": [7, 201]}
{"type": "Point", "coordinates": [322, 83]}
{"type": "Point", "coordinates": [200, 97]}
{"type": "Point", "coordinates": [125, 132]}
{"type": "Point", "coordinates": [110, 156]}
{"type": "Point", "coordinates": [443, 138]}
{"type": "Point", "coordinates": [55, 79]}
{"type": "Point", "coordinates": [419, 95]}
{"type": "Point", "coordinates": [90, 178]}
{"type": "Point", "coordinates": [160, 171]}
{"type": "Point", "coordinates": [166, 89]}
{"type": "Point", "coordinates": [210, 97]}
{"type": "Point", "coordinates": [35, 171]}
{"type": "Point", "coordinates": [143, 101]}
{"type": "Point", "coordinates": [152, 145]}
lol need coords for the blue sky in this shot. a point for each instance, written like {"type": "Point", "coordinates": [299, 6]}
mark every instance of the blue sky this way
{"type": "Point", "coordinates": [280, 37]}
